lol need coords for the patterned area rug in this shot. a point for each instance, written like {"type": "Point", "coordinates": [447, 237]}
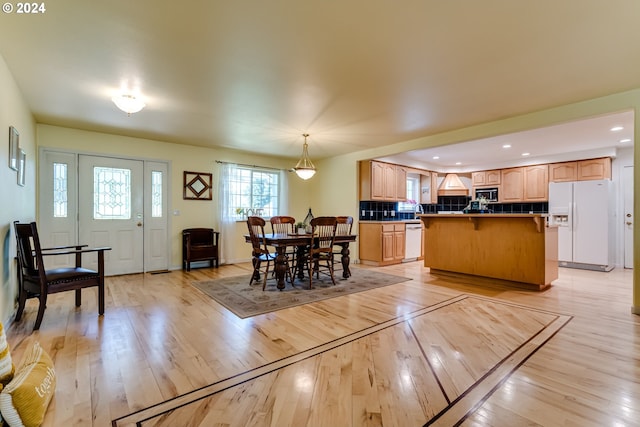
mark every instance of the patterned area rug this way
{"type": "Point", "coordinates": [246, 301]}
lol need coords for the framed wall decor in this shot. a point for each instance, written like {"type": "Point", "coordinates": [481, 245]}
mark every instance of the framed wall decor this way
{"type": "Point", "coordinates": [197, 186]}
{"type": "Point", "coordinates": [14, 145]}
{"type": "Point", "coordinates": [22, 164]}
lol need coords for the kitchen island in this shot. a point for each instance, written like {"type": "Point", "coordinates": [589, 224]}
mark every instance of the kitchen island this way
{"type": "Point", "coordinates": [518, 248]}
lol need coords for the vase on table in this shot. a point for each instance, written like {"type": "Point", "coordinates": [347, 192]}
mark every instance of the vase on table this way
{"type": "Point", "coordinates": [307, 220]}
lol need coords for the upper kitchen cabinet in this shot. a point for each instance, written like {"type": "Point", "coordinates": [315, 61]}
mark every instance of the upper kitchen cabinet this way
{"type": "Point", "coordinates": [428, 187]}
{"type": "Point", "coordinates": [491, 178]}
{"type": "Point", "coordinates": [563, 172]}
{"type": "Point", "coordinates": [512, 187]}
{"type": "Point", "coordinates": [536, 183]}
{"type": "Point", "coordinates": [525, 184]}
{"type": "Point", "coordinates": [594, 169]}
{"type": "Point", "coordinates": [382, 181]}
{"type": "Point", "coordinates": [581, 170]}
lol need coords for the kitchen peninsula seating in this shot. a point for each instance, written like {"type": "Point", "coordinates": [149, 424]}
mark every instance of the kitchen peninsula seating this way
{"type": "Point", "coordinates": [199, 244]}
{"type": "Point", "coordinates": [260, 252]}
{"type": "Point", "coordinates": [320, 249]}
{"type": "Point", "coordinates": [35, 281]}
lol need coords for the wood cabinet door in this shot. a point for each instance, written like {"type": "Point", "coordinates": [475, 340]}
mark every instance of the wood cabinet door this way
{"type": "Point", "coordinates": [434, 187]}
{"type": "Point", "coordinates": [594, 169]}
{"type": "Point", "coordinates": [377, 181]}
{"type": "Point", "coordinates": [389, 181]}
{"type": "Point", "coordinates": [401, 183]}
{"type": "Point", "coordinates": [388, 247]}
{"type": "Point", "coordinates": [536, 183]}
{"type": "Point", "coordinates": [493, 177]}
{"type": "Point", "coordinates": [398, 245]}
{"type": "Point", "coordinates": [512, 188]}
{"type": "Point", "coordinates": [563, 172]}
{"type": "Point", "coordinates": [478, 179]}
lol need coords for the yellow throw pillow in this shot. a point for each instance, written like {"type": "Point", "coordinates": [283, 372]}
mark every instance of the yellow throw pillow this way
{"type": "Point", "coordinates": [7, 368]}
{"type": "Point", "coordinates": [24, 401]}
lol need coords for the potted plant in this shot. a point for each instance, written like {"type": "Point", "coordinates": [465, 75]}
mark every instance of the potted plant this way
{"type": "Point", "coordinates": [301, 227]}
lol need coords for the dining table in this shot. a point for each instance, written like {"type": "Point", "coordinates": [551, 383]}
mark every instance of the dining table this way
{"type": "Point", "coordinates": [280, 241]}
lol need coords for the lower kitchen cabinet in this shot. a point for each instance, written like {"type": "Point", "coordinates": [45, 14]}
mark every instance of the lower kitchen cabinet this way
{"type": "Point", "coordinates": [381, 243]}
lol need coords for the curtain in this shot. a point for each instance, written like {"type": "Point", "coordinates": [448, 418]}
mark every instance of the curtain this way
{"type": "Point", "coordinates": [283, 202]}
{"type": "Point", "coordinates": [225, 213]}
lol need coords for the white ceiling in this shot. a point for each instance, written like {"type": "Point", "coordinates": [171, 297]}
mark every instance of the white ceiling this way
{"type": "Point", "coordinates": [355, 74]}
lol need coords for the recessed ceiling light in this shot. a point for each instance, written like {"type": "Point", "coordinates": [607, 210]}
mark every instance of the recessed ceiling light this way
{"type": "Point", "coordinates": [616, 128]}
{"type": "Point", "coordinates": [625, 140]}
{"type": "Point", "coordinates": [436, 157]}
{"type": "Point", "coordinates": [506, 146]}
{"type": "Point", "coordinates": [526, 154]}
{"type": "Point", "coordinates": [458, 163]}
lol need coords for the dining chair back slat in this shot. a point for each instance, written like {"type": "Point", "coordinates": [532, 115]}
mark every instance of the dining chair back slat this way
{"type": "Point", "coordinates": [283, 224]}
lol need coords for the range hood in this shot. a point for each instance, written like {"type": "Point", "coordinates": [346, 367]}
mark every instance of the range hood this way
{"type": "Point", "coordinates": [452, 185]}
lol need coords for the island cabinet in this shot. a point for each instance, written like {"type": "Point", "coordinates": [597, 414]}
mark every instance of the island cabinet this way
{"type": "Point", "coordinates": [381, 243]}
{"type": "Point", "coordinates": [525, 184]}
{"type": "Point", "coordinates": [382, 181]}
{"type": "Point", "coordinates": [514, 249]}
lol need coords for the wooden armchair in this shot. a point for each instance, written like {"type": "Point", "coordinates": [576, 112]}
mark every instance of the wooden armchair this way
{"type": "Point", "coordinates": [199, 244]}
{"type": "Point", "coordinates": [37, 282]}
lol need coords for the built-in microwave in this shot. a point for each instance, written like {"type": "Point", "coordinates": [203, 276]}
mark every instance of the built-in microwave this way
{"type": "Point", "coordinates": [491, 194]}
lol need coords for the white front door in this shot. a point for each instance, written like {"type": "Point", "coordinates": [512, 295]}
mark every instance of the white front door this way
{"type": "Point", "coordinates": [111, 210]}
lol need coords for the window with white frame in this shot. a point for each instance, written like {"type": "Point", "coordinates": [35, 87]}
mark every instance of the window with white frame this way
{"type": "Point", "coordinates": [253, 191]}
{"type": "Point", "coordinates": [413, 194]}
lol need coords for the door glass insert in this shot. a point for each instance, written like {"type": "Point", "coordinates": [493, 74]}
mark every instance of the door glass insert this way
{"type": "Point", "coordinates": [111, 193]}
{"type": "Point", "coordinates": [60, 191]}
{"type": "Point", "coordinates": [156, 194]}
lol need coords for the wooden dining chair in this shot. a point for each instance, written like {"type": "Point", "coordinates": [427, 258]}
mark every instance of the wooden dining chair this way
{"type": "Point", "coordinates": [282, 224]}
{"type": "Point", "coordinates": [37, 282]}
{"type": "Point", "coordinates": [320, 255]}
{"type": "Point", "coordinates": [261, 256]}
{"type": "Point", "coordinates": [344, 227]}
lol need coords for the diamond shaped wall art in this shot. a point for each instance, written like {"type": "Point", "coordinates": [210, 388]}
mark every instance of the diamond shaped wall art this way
{"type": "Point", "coordinates": [197, 186]}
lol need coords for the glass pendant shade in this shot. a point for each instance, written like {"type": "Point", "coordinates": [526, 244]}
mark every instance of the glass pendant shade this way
{"type": "Point", "coordinates": [128, 103]}
{"type": "Point", "coordinates": [305, 168]}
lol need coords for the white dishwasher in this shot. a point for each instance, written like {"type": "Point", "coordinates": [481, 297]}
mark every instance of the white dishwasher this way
{"type": "Point", "coordinates": [413, 241]}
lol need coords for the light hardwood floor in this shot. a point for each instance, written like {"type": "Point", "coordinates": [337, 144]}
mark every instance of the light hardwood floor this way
{"type": "Point", "coordinates": [430, 350]}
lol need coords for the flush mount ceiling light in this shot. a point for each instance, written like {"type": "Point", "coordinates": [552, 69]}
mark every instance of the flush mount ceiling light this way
{"type": "Point", "coordinates": [128, 103]}
{"type": "Point", "coordinates": [305, 168]}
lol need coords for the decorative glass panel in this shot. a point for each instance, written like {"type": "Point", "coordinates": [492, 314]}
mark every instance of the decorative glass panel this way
{"type": "Point", "coordinates": [156, 194]}
{"type": "Point", "coordinates": [60, 191]}
{"type": "Point", "coordinates": [111, 193]}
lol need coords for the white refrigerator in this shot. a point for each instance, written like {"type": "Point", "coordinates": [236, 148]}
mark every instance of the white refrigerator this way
{"type": "Point", "coordinates": [584, 212]}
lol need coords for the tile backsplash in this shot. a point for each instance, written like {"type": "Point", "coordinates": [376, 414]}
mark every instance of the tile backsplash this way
{"type": "Point", "coordinates": [388, 211]}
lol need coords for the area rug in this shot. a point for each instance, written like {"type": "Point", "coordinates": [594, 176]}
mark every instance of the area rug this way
{"type": "Point", "coordinates": [246, 301]}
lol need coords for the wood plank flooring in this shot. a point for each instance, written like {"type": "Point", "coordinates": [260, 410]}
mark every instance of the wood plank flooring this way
{"type": "Point", "coordinates": [431, 350]}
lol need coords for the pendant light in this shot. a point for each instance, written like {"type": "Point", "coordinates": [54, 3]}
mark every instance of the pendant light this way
{"type": "Point", "coordinates": [129, 103]}
{"type": "Point", "coordinates": [305, 168]}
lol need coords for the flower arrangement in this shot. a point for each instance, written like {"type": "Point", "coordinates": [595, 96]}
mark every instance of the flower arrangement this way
{"type": "Point", "coordinates": [301, 227]}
